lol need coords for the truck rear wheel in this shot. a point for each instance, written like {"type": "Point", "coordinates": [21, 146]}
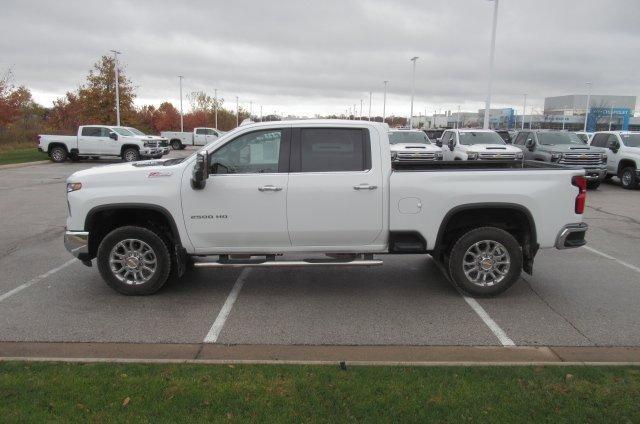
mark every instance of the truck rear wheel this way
{"type": "Point", "coordinates": [176, 145]}
{"type": "Point", "coordinates": [628, 178]}
{"type": "Point", "coordinates": [130, 154]}
{"type": "Point", "coordinates": [58, 154]}
{"type": "Point", "coordinates": [485, 261]}
{"type": "Point", "coordinates": [134, 261]}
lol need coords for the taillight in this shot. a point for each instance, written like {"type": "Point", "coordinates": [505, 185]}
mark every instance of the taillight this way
{"type": "Point", "coordinates": [581, 183]}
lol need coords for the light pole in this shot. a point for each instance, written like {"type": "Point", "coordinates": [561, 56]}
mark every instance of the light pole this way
{"type": "Point", "coordinates": [237, 112]}
{"type": "Point", "coordinates": [610, 116]}
{"type": "Point", "coordinates": [524, 109]}
{"type": "Point", "coordinates": [370, 94]}
{"type": "Point", "coordinates": [181, 118]}
{"type": "Point", "coordinates": [487, 105]}
{"type": "Point", "coordinates": [457, 118]}
{"type": "Point", "coordinates": [215, 106]}
{"type": "Point", "coordinates": [354, 111]}
{"type": "Point", "coordinates": [413, 89]}
{"type": "Point", "coordinates": [384, 102]}
{"type": "Point", "coordinates": [115, 67]}
{"type": "Point", "coordinates": [586, 115]}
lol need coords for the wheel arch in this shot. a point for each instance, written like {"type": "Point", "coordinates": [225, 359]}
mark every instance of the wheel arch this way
{"type": "Point", "coordinates": [127, 146]}
{"type": "Point", "coordinates": [625, 163]}
{"type": "Point", "coordinates": [56, 144]}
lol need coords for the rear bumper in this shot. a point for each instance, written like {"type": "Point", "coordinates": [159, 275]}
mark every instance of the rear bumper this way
{"type": "Point", "coordinates": [571, 236]}
{"type": "Point", "coordinates": [77, 243]}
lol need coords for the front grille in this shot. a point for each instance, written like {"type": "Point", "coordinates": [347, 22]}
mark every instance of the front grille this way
{"type": "Point", "coordinates": [497, 156]}
{"type": "Point", "coordinates": [409, 156]}
{"type": "Point", "coordinates": [581, 159]}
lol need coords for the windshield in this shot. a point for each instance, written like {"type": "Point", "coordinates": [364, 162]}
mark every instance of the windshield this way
{"type": "Point", "coordinates": [135, 131]}
{"type": "Point", "coordinates": [122, 131]}
{"type": "Point", "coordinates": [631, 140]}
{"type": "Point", "coordinates": [583, 137]}
{"type": "Point", "coordinates": [398, 137]}
{"type": "Point", "coordinates": [471, 138]}
{"type": "Point", "coordinates": [553, 138]}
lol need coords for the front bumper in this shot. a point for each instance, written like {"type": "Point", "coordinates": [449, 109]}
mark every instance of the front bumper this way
{"type": "Point", "coordinates": [593, 174]}
{"type": "Point", "coordinates": [151, 151]}
{"type": "Point", "coordinates": [571, 236]}
{"type": "Point", "coordinates": [77, 243]}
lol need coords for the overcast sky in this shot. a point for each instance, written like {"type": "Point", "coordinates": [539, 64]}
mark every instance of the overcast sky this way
{"type": "Point", "coordinates": [322, 56]}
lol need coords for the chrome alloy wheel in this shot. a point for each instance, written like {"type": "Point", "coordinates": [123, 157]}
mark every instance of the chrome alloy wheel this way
{"type": "Point", "coordinates": [130, 156]}
{"type": "Point", "coordinates": [626, 178]}
{"type": "Point", "coordinates": [57, 155]}
{"type": "Point", "coordinates": [486, 263]}
{"type": "Point", "coordinates": [133, 261]}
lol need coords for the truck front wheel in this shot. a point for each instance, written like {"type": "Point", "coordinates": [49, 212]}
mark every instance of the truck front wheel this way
{"type": "Point", "coordinates": [134, 261]}
{"type": "Point", "coordinates": [485, 261]}
{"type": "Point", "coordinates": [130, 154]}
{"type": "Point", "coordinates": [628, 178]}
{"type": "Point", "coordinates": [58, 154]}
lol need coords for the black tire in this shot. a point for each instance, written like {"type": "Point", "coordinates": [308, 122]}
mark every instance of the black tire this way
{"type": "Point", "coordinates": [478, 235]}
{"type": "Point", "coordinates": [593, 185]}
{"type": "Point", "coordinates": [130, 154]}
{"type": "Point", "coordinates": [58, 154]}
{"type": "Point", "coordinates": [176, 145]}
{"type": "Point", "coordinates": [628, 178]}
{"type": "Point", "coordinates": [159, 250]}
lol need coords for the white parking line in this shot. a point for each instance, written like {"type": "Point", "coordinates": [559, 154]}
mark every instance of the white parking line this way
{"type": "Point", "coordinates": [218, 324]}
{"type": "Point", "coordinates": [484, 316]}
{"type": "Point", "coordinates": [604, 255]}
{"type": "Point", "coordinates": [35, 280]}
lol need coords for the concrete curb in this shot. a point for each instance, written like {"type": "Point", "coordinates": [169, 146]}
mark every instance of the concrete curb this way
{"type": "Point", "coordinates": [23, 164]}
{"type": "Point", "coordinates": [204, 353]}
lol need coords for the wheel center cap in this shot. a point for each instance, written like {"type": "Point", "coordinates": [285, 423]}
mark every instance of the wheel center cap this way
{"type": "Point", "coordinates": [486, 264]}
{"type": "Point", "coordinates": [132, 262]}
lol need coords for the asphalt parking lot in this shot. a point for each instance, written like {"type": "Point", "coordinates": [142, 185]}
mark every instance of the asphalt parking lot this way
{"type": "Point", "coordinates": [583, 297]}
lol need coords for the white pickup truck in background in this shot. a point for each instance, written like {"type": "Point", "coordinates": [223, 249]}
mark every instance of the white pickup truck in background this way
{"type": "Point", "coordinates": [412, 146]}
{"type": "Point", "coordinates": [477, 144]}
{"type": "Point", "coordinates": [319, 187]}
{"type": "Point", "coordinates": [198, 137]}
{"type": "Point", "coordinates": [101, 140]}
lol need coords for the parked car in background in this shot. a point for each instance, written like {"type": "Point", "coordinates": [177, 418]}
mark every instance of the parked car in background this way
{"type": "Point", "coordinates": [164, 143]}
{"type": "Point", "coordinates": [412, 146]}
{"type": "Point", "coordinates": [319, 187]}
{"type": "Point", "coordinates": [584, 136]}
{"type": "Point", "coordinates": [564, 148]}
{"type": "Point", "coordinates": [198, 137]}
{"type": "Point", "coordinates": [100, 140]}
{"type": "Point", "coordinates": [476, 144]}
{"type": "Point", "coordinates": [433, 135]}
{"type": "Point", "coordinates": [623, 155]}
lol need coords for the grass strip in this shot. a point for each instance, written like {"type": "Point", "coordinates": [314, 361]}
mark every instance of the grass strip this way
{"type": "Point", "coordinates": [103, 392]}
{"type": "Point", "coordinates": [21, 156]}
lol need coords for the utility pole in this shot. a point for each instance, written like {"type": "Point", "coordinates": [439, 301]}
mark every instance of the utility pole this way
{"type": "Point", "coordinates": [237, 112]}
{"type": "Point", "coordinates": [370, 94]}
{"type": "Point", "coordinates": [586, 115]}
{"type": "Point", "coordinates": [524, 108]}
{"type": "Point", "coordinates": [181, 118]}
{"type": "Point", "coordinates": [487, 105]}
{"type": "Point", "coordinates": [610, 116]}
{"type": "Point", "coordinates": [384, 102]}
{"type": "Point", "coordinates": [215, 106]}
{"type": "Point", "coordinates": [413, 89]}
{"type": "Point", "coordinates": [115, 58]}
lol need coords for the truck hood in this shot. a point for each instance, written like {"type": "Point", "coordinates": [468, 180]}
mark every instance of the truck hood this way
{"type": "Point", "coordinates": [420, 147]}
{"type": "Point", "coordinates": [571, 148]}
{"type": "Point", "coordinates": [492, 148]}
{"type": "Point", "coordinates": [141, 169]}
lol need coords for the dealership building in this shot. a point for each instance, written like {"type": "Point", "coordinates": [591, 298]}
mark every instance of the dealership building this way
{"type": "Point", "coordinates": [603, 110]}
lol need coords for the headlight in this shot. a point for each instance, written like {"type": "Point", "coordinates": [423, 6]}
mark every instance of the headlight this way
{"type": "Point", "coordinates": [149, 143]}
{"type": "Point", "coordinates": [556, 157]}
{"type": "Point", "coordinates": [604, 158]}
{"type": "Point", "coordinates": [519, 155]}
{"type": "Point", "coordinates": [73, 187]}
{"type": "Point", "coordinates": [472, 156]}
{"type": "Point", "coordinates": [394, 156]}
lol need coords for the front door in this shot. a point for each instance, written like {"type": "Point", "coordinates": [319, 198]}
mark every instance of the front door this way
{"type": "Point", "coordinates": [200, 137]}
{"type": "Point", "coordinates": [243, 205]}
{"type": "Point", "coordinates": [335, 194]}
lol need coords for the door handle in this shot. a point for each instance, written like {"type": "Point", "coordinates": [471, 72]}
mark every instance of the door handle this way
{"type": "Point", "coordinates": [269, 188]}
{"type": "Point", "coordinates": [365, 186]}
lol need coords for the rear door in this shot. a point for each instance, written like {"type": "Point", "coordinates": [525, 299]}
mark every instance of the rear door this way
{"type": "Point", "coordinates": [200, 137]}
{"type": "Point", "coordinates": [335, 193]}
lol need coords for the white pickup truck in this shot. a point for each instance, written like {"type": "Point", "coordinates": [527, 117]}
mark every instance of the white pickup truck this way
{"type": "Point", "coordinates": [102, 140]}
{"type": "Point", "coordinates": [198, 137]}
{"type": "Point", "coordinates": [319, 187]}
{"type": "Point", "coordinates": [477, 144]}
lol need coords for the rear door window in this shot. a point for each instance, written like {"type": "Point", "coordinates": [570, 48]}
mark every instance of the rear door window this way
{"type": "Point", "coordinates": [332, 150]}
{"type": "Point", "coordinates": [91, 132]}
